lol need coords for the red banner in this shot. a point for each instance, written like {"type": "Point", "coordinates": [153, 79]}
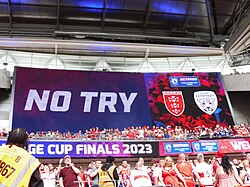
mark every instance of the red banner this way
{"type": "Point", "coordinates": [192, 147]}
{"type": "Point", "coordinates": [238, 145]}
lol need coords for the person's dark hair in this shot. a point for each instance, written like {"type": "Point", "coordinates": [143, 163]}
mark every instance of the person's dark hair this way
{"type": "Point", "coordinates": [225, 163]}
{"type": "Point", "coordinates": [110, 159]}
{"type": "Point", "coordinates": [18, 137]}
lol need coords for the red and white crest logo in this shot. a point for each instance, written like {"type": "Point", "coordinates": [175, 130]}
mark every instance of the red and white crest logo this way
{"type": "Point", "coordinates": [174, 102]}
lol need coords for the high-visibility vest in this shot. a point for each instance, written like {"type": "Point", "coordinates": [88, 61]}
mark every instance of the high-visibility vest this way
{"type": "Point", "coordinates": [104, 178]}
{"type": "Point", "coordinates": [16, 166]}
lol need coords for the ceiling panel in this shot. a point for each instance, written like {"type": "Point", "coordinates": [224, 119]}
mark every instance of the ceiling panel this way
{"type": "Point", "coordinates": [164, 22]}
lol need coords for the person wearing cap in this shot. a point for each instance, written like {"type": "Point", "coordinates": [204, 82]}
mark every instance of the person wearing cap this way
{"type": "Point", "coordinates": [108, 175]}
{"type": "Point", "coordinates": [219, 154]}
{"type": "Point", "coordinates": [68, 174]}
{"type": "Point", "coordinates": [18, 166]}
{"type": "Point", "coordinates": [205, 171]}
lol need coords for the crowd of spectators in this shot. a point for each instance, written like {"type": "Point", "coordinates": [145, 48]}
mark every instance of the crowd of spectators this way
{"type": "Point", "coordinates": [199, 171]}
{"type": "Point", "coordinates": [156, 173]}
{"type": "Point", "coordinates": [145, 132]}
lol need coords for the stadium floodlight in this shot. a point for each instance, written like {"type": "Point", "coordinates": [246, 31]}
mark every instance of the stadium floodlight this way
{"type": "Point", "coordinates": [240, 60]}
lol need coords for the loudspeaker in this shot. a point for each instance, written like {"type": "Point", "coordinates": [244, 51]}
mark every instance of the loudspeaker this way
{"type": "Point", "coordinates": [5, 79]}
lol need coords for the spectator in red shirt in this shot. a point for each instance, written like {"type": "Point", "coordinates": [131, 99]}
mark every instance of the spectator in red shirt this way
{"type": "Point", "coordinates": [68, 175]}
{"type": "Point", "coordinates": [131, 134]}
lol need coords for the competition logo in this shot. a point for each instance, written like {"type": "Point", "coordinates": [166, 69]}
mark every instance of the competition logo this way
{"type": "Point", "coordinates": [206, 101]}
{"type": "Point", "coordinates": [174, 102]}
{"type": "Point", "coordinates": [168, 148]}
{"type": "Point", "coordinates": [196, 146]}
{"type": "Point", "coordinates": [174, 81]}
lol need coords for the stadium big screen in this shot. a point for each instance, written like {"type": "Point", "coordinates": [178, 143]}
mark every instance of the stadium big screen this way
{"type": "Point", "coordinates": [68, 100]}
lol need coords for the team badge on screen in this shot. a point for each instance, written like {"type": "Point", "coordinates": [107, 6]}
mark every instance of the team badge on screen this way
{"type": "Point", "coordinates": [206, 101]}
{"type": "Point", "coordinates": [174, 102]}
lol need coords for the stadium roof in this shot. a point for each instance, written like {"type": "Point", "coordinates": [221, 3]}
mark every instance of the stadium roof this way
{"type": "Point", "coordinates": [206, 23]}
{"type": "Point", "coordinates": [126, 28]}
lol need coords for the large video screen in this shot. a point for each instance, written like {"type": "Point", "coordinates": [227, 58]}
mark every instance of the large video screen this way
{"type": "Point", "coordinates": [188, 99]}
{"type": "Point", "coordinates": [68, 100]}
